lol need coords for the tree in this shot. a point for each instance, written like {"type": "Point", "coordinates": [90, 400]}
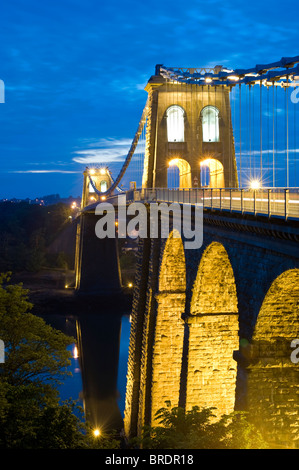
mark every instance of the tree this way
{"type": "Point", "coordinates": [199, 429]}
{"type": "Point", "coordinates": [27, 231]}
{"type": "Point", "coordinates": [36, 360]}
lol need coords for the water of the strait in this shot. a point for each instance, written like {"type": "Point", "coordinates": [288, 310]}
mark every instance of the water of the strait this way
{"type": "Point", "coordinates": [98, 365]}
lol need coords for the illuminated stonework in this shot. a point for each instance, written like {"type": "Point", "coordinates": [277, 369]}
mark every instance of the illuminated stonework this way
{"type": "Point", "coordinates": [220, 291]}
{"type": "Point", "coordinates": [169, 332]}
{"type": "Point", "coordinates": [215, 172]}
{"type": "Point", "coordinates": [190, 123]}
{"type": "Point", "coordinates": [214, 290]}
{"type": "Point", "coordinates": [185, 181]}
{"type": "Point", "coordinates": [278, 317]}
{"type": "Point", "coordinates": [213, 334]}
{"type": "Point", "coordinates": [273, 379]}
{"type": "Point", "coordinates": [101, 179]}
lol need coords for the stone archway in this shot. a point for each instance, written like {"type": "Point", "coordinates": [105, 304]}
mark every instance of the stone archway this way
{"type": "Point", "coordinates": [212, 173]}
{"type": "Point", "coordinates": [273, 376]}
{"type": "Point", "coordinates": [169, 331]}
{"type": "Point", "coordinates": [185, 180]}
{"type": "Point", "coordinates": [213, 333]}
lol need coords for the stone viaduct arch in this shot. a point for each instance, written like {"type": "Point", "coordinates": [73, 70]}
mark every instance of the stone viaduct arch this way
{"type": "Point", "coordinates": [169, 331]}
{"type": "Point", "coordinates": [273, 379]}
{"type": "Point", "coordinates": [213, 333]}
{"type": "Point", "coordinates": [224, 309]}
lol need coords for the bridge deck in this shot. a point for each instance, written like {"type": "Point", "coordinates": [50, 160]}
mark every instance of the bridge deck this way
{"type": "Point", "coordinates": [272, 202]}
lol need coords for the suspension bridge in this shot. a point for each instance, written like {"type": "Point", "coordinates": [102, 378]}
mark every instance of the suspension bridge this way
{"type": "Point", "coordinates": [261, 113]}
{"type": "Point", "coordinates": [211, 326]}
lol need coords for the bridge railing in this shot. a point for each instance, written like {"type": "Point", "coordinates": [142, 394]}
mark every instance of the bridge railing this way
{"type": "Point", "coordinates": [277, 202]}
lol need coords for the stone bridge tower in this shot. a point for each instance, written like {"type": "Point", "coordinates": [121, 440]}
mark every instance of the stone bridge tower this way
{"type": "Point", "coordinates": [101, 179]}
{"type": "Point", "coordinates": [189, 126]}
{"type": "Point", "coordinates": [93, 255]}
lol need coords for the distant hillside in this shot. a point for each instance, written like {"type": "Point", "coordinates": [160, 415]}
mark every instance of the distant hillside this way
{"type": "Point", "coordinates": [33, 236]}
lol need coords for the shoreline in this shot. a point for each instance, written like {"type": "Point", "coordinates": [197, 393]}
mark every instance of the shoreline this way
{"type": "Point", "coordinates": [48, 294]}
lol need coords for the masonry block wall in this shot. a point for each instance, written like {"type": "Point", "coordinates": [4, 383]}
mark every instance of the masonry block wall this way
{"type": "Point", "coordinates": [212, 318]}
{"type": "Point", "coordinates": [273, 379]}
{"type": "Point", "coordinates": [169, 329]}
{"type": "Point", "coordinates": [213, 333]}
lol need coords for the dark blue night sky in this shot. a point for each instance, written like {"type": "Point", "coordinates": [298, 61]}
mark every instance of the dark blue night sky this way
{"type": "Point", "coordinates": [75, 71]}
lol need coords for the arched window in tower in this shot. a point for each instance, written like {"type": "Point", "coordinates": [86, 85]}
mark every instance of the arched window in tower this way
{"type": "Point", "coordinates": [103, 186]}
{"type": "Point", "coordinates": [175, 124]}
{"type": "Point", "coordinates": [210, 124]}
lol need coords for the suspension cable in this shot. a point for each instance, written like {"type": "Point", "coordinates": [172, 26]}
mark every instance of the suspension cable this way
{"type": "Point", "coordinates": [261, 136]}
{"type": "Point", "coordinates": [128, 158]}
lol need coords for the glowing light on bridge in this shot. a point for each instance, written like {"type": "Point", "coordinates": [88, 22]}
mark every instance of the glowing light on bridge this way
{"type": "Point", "coordinates": [255, 184]}
{"type": "Point", "coordinates": [185, 171]}
{"type": "Point", "coordinates": [215, 179]}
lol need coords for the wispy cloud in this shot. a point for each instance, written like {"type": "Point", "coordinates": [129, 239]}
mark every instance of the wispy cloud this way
{"type": "Point", "coordinates": [44, 171]}
{"type": "Point", "coordinates": [104, 151]}
{"type": "Point", "coordinates": [267, 151]}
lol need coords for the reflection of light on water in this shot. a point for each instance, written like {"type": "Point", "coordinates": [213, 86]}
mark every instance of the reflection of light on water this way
{"type": "Point", "coordinates": [72, 384]}
{"type": "Point", "coordinates": [75, 352]}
